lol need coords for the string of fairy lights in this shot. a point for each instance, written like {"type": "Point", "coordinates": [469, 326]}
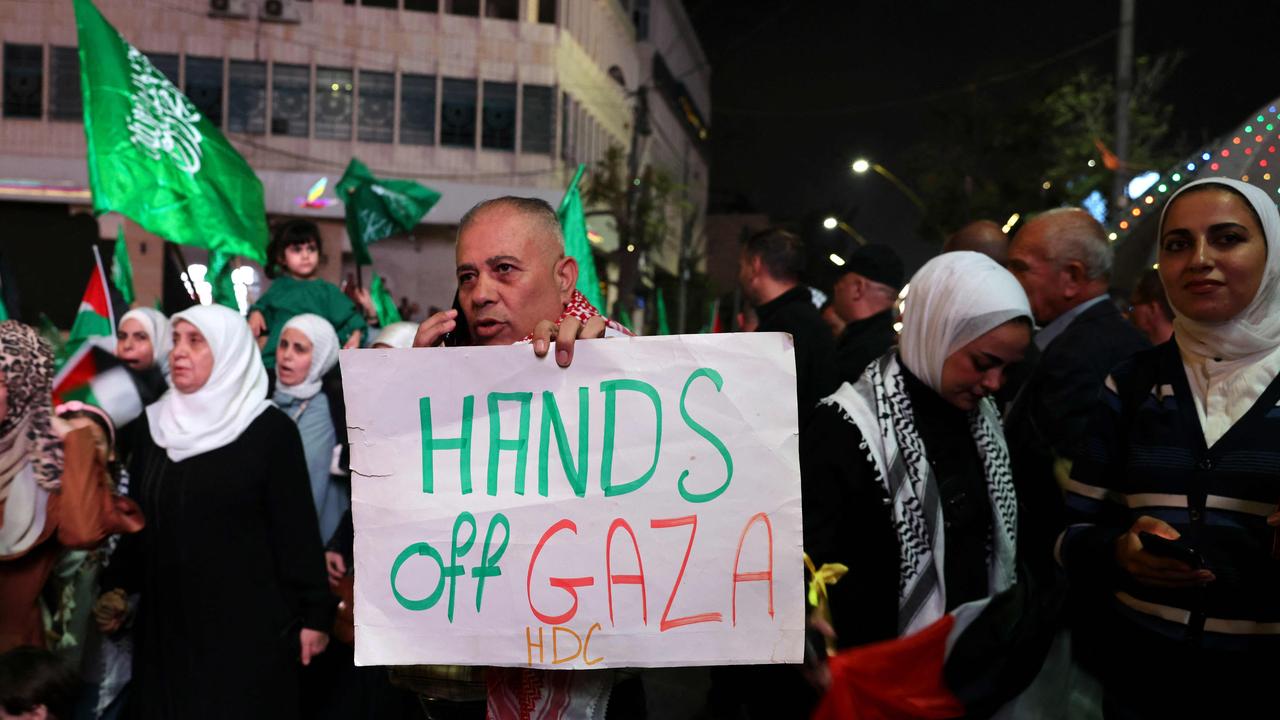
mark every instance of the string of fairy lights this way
{"type": "Point", "coordinates": [1249, 154]}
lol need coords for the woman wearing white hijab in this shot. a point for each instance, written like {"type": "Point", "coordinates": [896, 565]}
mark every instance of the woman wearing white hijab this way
{"type": "Point", "coordinates": [906, 474]}
{"type": "Point", "coordinates": [1174, 502]}
{"type": "Point", "coordinates": [229, 568]}
{"type": "Point", "coordinates": [144, 339]}
{"type": "Point", "coordinates": [307, 351]}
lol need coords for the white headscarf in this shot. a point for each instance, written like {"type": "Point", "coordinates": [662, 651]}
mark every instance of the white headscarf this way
{"type": "Point", "coordinates": [1257, 327]}
{"type": "Point", "coordinates": [1230, 364]}
{"type": "Point", "coordinates": [157, 328]}
{"type": "Point", "coordinates": [954, 299]}
{"type": "Point", "coordinates": [190, 424]}
{"type": "Point", "coordinates": [397, 335]}
{"type": "Point", "coordinates": [324, 353]}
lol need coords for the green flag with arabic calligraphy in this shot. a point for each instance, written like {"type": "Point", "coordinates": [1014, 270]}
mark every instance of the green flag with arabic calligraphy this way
{"type": "Point", "coordinates": [377, 208]}
{"type": "Point", "coordinates": [154, 158]}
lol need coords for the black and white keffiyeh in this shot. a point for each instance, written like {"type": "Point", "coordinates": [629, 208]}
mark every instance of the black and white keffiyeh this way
{"type": "Point", "coordinates": [954, 299]}
{"type": "Point", "coordinates": [879, 406]}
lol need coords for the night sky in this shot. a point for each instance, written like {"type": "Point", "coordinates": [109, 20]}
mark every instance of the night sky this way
{"type": "Point", "coordinates": [799, 89]}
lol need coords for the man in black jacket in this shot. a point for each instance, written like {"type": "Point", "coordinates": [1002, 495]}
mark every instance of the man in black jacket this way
{"type": "Point", "coordinates": [769, 272]}
{"type": "Point", "coordinates": [864, 297]}
{"type": "Point", "coordinates": [1063, 260]}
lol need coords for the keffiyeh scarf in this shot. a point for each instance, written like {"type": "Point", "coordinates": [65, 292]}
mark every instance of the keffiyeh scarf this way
{"type": "Point", "coordinates": [878, 405]}
{"type": "Point", "coordinates": [582, 309]}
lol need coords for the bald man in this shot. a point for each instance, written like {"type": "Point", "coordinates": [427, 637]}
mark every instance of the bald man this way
{"type": "Point", "coordinates": [981, 236]}
{"type": "Point", "coordinates": [515, 283]}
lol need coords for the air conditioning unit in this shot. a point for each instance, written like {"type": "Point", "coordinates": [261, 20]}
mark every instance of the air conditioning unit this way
{"type": "Point", "coordinates": [283, 11]}
{"type": "Point", "coordinates": [229, 8]}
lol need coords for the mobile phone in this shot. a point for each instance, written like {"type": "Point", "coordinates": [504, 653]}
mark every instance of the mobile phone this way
{"type": "Point", "coordinates": [460, 336]}
{"type": "Point", "coordinates": [1175, 549]}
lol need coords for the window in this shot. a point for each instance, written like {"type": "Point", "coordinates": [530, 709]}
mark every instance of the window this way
{"type": "Point", "coordinates": [334, 90]}
{"type": "Point", "coordinates": [23, 80]}
{"type": "Point", "coordinates": [547, 11]}
{"type": "Point", "coordinates": [640, 18]}
{"type": "Point", "coordinates": [391, 4]}
{"type": "Point", "coordinates": [418, 109]}
{"type": "Point", "coordinates": [377, 106]}
{"type": "Point", "coordinates": [470, 8]}
{"type": "Point", "coordinates": [422, 5]}
{"type": "Point", "coordinates": [290, 95]}
{"type": "Point", "coordinates": [204, 87]}
{"type": "Point", "coordinates": [502, 9]}
{"type": "Point", "coordinates": [499, 132]}
{"type": "Point", "coordinates": [247, 101]}
{"type": "Point", "coordinates": [537, 123]}
{"type": "Point", "coordinates": [458, 113]}
{"type": "Point", "coordinates": [167, 64]}
{"type": "Point", "coordinates": [65, 100]}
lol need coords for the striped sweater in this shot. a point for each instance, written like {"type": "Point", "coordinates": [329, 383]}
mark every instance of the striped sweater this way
{"type": "Point", "coordinates": [1146, 455]}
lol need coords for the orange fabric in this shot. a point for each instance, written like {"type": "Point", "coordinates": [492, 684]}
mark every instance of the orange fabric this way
{"type": "Point", "coordinates": [83, 514]}
{"type": "Point", "coordinates": [892, 680]}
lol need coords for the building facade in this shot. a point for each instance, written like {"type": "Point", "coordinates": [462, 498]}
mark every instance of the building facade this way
{"type": "Point", "coordinates": [474, 98]}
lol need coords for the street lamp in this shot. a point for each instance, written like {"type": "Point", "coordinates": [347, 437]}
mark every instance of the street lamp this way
{"type": "Point", "coordinates": [831, 223]}
{"type": "Point", "coordinates": [861, 165]}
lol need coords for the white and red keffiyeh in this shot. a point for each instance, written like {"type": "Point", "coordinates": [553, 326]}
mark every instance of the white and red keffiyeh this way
{"type": "Point", "coordinates": [581, 308]}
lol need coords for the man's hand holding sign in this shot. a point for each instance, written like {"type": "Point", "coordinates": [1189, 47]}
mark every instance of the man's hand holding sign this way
{"type": "Point", "coordinates": [639, 508]}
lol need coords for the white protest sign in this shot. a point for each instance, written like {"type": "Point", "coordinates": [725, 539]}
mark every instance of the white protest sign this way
{"type": "Point", "coordinates": [640, 508]}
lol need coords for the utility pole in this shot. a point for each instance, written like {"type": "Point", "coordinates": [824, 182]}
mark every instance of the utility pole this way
{"type": "Point", "coordinates": [629, 263]}
{"type": "Point", "coordinates": [1124, 92]}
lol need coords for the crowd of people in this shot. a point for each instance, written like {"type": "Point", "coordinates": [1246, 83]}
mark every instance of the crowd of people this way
{"type": "Point", "coordinates": [1077, 496]}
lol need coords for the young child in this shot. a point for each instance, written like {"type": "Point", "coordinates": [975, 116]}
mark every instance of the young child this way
{"type": "Point", "coordinates": [293, 257]}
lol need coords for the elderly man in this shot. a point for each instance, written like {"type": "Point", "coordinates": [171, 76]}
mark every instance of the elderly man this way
{"type": "Point", "coordinates": [516, 284]}
{"type": "Point", "coordinates": [769, 270]}
{"type": "Point", "coordinates": [982, 236]}
{"type": "Point", "coordinates": [1063, 260]}
{"type": "Point", "coordinates": [864, 297]}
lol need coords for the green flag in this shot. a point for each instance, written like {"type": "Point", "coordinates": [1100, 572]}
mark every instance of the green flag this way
{"type": "Point", "coordinates": [383, 303]}
{"type": "Point", "coordinates": [219, 276]}
{"type": "Point", "coordinates": [121, 268]}
{"type": "Point", "coordinates": [377, 208]}
{"type": "Point", "coordinates": [576, 244]}
{"type": "Point", "coordinates": [663, 327]}
{"type": "Point", "coordinates": [154, 157]}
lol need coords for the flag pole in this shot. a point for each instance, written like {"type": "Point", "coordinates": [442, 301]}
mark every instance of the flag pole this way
{"type": "Point", "coordinates": [577, 176]}
{"type": "Point", "coordinates": [102, 275]}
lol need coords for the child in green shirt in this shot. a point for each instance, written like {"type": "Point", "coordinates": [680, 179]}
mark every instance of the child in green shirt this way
{"type": "Point", "coordinates": [292, 261]}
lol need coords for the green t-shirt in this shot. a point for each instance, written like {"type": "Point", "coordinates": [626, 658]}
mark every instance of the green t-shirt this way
{"type": "Point", "coordinates": [289, 296]}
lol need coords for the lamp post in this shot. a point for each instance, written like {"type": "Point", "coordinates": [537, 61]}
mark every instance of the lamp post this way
{"type": "Point", "coordinates": [833, 223]}
{"type": "Point", "coordinates": [862, 165]}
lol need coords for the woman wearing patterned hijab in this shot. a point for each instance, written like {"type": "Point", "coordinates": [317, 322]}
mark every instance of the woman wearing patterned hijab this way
{"type": "Point", "coordinates": [906, 474]}
{"type": "Point", "coordinates": [54, 493]}
{"type": "Point", "coordinates": [230, 570]}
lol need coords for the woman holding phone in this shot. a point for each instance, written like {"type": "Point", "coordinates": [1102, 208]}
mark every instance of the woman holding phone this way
{"type": "Point", "coordinates": [1174, 498]}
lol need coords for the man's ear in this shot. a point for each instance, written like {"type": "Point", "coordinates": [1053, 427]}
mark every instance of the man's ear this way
{"type": "Point", "coordinates": [1076, 277]}
{"type": "Point", "coordinates": [566, 272]}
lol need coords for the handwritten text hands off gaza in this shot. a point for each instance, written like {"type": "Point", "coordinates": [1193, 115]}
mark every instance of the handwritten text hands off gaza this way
{"type": "Point", "coordinates": [640, 508]}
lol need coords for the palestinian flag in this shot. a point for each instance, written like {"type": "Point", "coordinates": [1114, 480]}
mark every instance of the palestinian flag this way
{"type": "Point", "coordinates": [95, 317]}
{"type": "Point", "coordinates": [95, 376]}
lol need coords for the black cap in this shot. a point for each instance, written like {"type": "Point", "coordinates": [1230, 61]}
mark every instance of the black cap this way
{"type": "Point", "coordinates": [877, 263]}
